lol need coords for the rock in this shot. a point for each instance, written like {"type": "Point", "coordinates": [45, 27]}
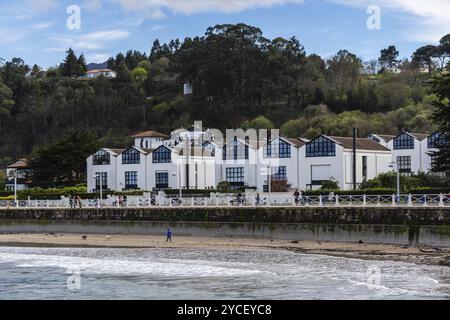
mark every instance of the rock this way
{"type": "Point", "coordinates": [360, 242]}
{"type": "Point", "coordinates": [295, 241]}
{"type": "Point", "coordinates": [84, 237]}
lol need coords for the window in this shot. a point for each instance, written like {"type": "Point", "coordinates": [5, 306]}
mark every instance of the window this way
{"type": "Point", "coordinates": [101, 158]}
{"type": "Point", "coordinates": [131, 180]}
{"type": "Point", "coordinates": [278, 175]}
{"type": "Point", "coordinates": [235, 177]}
{"type": "Point", "coordinates": [235, 150]}
{"type": "Point", "coordinates": [404, 165]}
{"type": "Point", "coordinates": [436, 140]}
{"type": "Point", "coordinates": [103, 177]}
{"type": "Point", "coordinates": [131, 156]}
{"type": "Point", "coordinates": [277, 149]}
{"type": "Point", "coordinates": [403, 142]}
{"type": "Point", "coordinates": [364, 168]}
{"type": "Point", "coordinates": [162, 180]}
{"type": "Point", "coordinates": [321, 147]}
{"type": "Point", "coordinates": [162, 155]}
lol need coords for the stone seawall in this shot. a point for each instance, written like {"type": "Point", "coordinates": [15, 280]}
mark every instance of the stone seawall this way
{"type": "Point", "coordinates": [408, 226]}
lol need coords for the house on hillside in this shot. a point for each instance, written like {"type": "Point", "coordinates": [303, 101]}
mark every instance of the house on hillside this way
{"type": "Point", "coordinates": [18, 169]}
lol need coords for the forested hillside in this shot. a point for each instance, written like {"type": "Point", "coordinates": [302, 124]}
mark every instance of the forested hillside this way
{"type": "Point", "coordinates": [239, 78]}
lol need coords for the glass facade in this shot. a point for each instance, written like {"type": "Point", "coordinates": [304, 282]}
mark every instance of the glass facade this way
{"type": "Point", "coordinates": [131, 156]}
{"type": "Point", "coordinates": [131, 180]}
{"type": "Point", "coordinates": [403, 142]}
{"type": "Point", "coordinates": [235, 150]}
{"type": "Point", "coordinates": [321, 147]}
{"type": "Point", "coordinates": [162, 180]}
{"type": "Point", "coordinates": [101, 158]}
{"type": "Point", "coordinates": [162, 155]}
{"type": "Point", "coordinates": [436, 140]}
{"type": "Point", "coordinates": [404, 165]}
{"type": "Point", "coordinates": [277, 149]}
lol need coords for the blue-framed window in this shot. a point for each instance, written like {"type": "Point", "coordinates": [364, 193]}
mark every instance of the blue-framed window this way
{"type": "Point", "coordinates": [162, 155]}
{"type": "Point", "coordinates": [404, 165]}
{"type": "Point", "coordinates": [131, 180]}
{"type": "Point", "coordinates": [131, 156]}
{"type": "Point", "coordinates": [404, 142]}
{"type": "Point", "coordinates": [437, 140]}
{"type": "Point", "coordinates": [277, 149]}
{"type": "Point", "coordinates": [235, 175]}
{"type": "Point", "coordinates": [103, 177]}
{"type": "Point", "coordinates": [162, 180]}
{"type": "Point", "coordinates": [321, 147]}
{"type": "Point", "coordinates": [101, 158]}
{"type": "Point", "coordinates": [279, 173]}
{"type": "Point", "coordinates": [235, 150]}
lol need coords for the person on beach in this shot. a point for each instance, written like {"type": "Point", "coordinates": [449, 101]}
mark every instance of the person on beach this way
{"type": "Point", "coordinates": [169, 235]}
{"type": "Point", "coordinates": [79, 201]}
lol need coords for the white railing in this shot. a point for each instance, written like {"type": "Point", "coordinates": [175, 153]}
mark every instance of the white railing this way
{"type": "Point", "coordinates": [231, 200]}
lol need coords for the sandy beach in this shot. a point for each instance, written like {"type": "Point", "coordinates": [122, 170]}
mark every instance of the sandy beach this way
{"type": "Point", "coordinates": [420, 255]}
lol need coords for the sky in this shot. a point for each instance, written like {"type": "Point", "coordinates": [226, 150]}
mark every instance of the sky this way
{"type": "Point", "coordinates": [40, 31]}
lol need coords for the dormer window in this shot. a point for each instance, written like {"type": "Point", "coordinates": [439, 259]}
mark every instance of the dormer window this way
{"type": "Point", "coordinates": [404, 142]}
{"type": "Point", "coordinates": [101, 158]}
{"type": "Point", "coordinates": [277, 149]}
{"type": "Point", "coordinates": [321, 147]}
{"type": "Point", "coordinates": [131, 156]}
{"type": "Point", "coordinates": [162, 155]}
{"type": "Point", "coordinates": [437, 140]}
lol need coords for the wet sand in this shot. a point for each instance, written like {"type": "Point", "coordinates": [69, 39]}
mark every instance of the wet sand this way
{"type": "Point", "coordinates": [419, 255]}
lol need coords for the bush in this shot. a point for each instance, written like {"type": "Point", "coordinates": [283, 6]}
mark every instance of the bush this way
{"type": "Point", "coordinates": [330, 185]}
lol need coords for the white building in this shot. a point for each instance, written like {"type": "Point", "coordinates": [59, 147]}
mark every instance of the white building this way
{"type": "Point", "coordinates": [413, 151]}
{"type": "Point", "coordinates": [108, 73]}
{"type": "Point", "coordinates": [331, 158]}
{"type": "Point", "coordinates": [19, 170]}
{"type": "Point", "coordinates": [163, 163]}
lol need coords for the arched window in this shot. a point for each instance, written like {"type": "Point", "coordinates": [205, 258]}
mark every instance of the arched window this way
{"type": "Point", "coordinates": [162, 155]}
{"type": "Point", "coordinates": [131, 156]}
{"type": "Point", "coordinates": [101, 158]}
{"type": "Point", "coordinates": [321, 147]}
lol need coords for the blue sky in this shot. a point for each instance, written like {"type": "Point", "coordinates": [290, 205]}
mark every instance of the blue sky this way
{"type": "Point", "coordinates": [36, 30]}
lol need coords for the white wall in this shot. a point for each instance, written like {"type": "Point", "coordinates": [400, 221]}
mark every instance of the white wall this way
{"type": "Point", "coordinates": [139, 168]}
{"type": "Point", "coordinates": [110, 169]}
{"type": "Point", "coordinates": [415, 154]}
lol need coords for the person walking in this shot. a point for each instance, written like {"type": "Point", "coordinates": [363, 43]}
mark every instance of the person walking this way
{"type": "Point", "coordinates": [296, 195]}
{"type": "Point", "coordinates": [169, 235]}
{"type": "Point", "coordinates": [79, 201]}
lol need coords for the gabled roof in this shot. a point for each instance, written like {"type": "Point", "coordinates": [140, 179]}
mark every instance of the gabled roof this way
{"type": "Point", "coordinates": [296, 142]}
{"type": "Point", "coordinates": [150, 134]}
{"type": "Point", "coordinates": [385, 137]}
{"type": "Point", "coordinates": [419, 136]}
{"type": "Point", "coordinates": [114, 152]}
{"type": "Point", "coordinates": [18, 164]}
{"type": "Point", "coordinates": [361, 143]}
{"type": "Point", "coordinates": [141, 150]}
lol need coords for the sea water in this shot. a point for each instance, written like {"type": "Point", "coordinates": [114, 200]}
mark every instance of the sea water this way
{"type": "Point", "coordinates": [93, 273]}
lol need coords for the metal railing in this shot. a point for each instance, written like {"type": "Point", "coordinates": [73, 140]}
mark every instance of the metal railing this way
{"type": "Point", "coordinates": [226, 200]}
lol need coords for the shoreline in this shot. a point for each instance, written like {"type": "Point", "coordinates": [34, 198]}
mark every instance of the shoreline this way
{"type": "Point", "coordinates": [427, 255]}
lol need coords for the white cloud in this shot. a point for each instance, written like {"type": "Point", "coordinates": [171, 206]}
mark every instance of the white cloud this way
{"type": "Point", "coordinates": [97, 57]}
{"type": "Point", "coordinates": [157, 27]}
{"type": "Point", "coordinates": [432, 16]}
{"type": "Point", "coordinates": [93, 40]}
{"type": "Point", "coordinates": [42, 5]}
{"type": "Point", "coordinates": [42, 25]}
{"type": "Point", "coordinates": [155, 8]}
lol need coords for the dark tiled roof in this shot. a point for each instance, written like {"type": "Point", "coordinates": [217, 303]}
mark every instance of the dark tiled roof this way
{"type": "Point", "coordinates": [297, 142]}
{"type": "Point", "coordinates": [19, 164]}
{"type": "Point", "coordinates": [149, 134]}
{"type": "Point", "coordinates": [420, 136]}
{"type": "Point", "coordinates": [361, 143]}
{"type": "Point", "coordinates": [385, 137]}
{"type": "Point", "coordinates": [117, 151]}
{"type": "Point", "coordinates": [194, 152]}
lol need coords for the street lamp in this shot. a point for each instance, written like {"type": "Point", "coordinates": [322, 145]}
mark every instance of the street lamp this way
{"type": "Point", "coordinates": [13, 174]}
{"type": "Point", "coordinates": [391, 165]}
{"type": "Point", "coordinates": [99, 175]}
{"type": "Point", "coordinates": [178, 174]}
{"type": "Point", "coordinates": [269, 181]}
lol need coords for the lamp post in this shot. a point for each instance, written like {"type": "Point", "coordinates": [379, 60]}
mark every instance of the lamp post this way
{"type": "Point", "coordinates": [178, 175]}
{"type": "Point", "coordinates": [269, 181]}
{"type": "Point", "coordinates": [100, 184]}
{"type": "Point", "coordinates": [391, 165]}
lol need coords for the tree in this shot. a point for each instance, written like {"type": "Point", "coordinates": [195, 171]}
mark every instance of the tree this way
{"type": "Point", "coordinates": [139, 74]}
{"type": "Point", "coordinates": [441, 116]}
{"type": "Point", "coordinates": [424, 56]}
{"type": "Point", "coordinates": [442, 51]}
{"type": "Point", "coordinates": [260, 122]}
{"type": "Point", "coordinates": [62, 163]}
{"type": "Point", "coordinates": [389, 58]}
{"type": "Point", "coordinates": [73, 66]}
{"type": "Point", "coordinates": [6, 103]}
